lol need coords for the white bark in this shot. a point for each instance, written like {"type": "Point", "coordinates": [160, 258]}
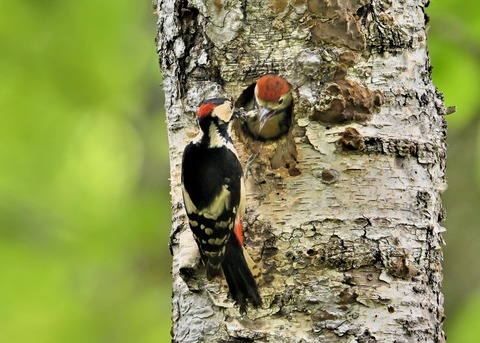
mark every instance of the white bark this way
{"type": "Point", "coordinates": [349, 250]}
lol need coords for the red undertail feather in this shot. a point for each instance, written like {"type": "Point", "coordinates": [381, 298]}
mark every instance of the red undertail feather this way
{"type": "Point", "coordinates": [239, 231]}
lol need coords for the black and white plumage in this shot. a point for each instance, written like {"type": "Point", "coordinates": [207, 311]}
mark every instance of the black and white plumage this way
{"type": "Point", "coordinates": [214, 198]}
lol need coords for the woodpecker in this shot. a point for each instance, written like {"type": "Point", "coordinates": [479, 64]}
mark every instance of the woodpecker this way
{"type": "Point", "coordinates": [273, 102]}
{"type": "Point", "coordinates": [214, 198]}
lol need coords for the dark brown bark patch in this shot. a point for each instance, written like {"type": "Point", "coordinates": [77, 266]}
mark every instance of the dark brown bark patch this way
{"type": "Point", "coordinates": [346, 100]}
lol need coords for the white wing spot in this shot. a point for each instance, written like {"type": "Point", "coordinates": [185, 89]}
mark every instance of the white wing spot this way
{"type": "Point", "coordinates": [218, 241]}
{"type": "Point", "coordinates": [222, 225]}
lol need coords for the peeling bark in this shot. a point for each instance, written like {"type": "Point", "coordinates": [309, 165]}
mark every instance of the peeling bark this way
{"type": "Point", "coordinates": [343, 214]}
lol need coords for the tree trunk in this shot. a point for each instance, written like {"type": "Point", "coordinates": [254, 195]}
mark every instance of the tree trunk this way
{"type": "Point", "coordinates": [343, 214]}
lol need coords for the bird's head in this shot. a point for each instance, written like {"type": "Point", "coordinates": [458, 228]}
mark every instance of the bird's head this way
{"type": "Point", "coordinates": [217, 110]}
{"type": "Point", "coordinates": [272, 96]}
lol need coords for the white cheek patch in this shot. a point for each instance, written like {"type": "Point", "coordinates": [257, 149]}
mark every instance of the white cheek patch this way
{"type": "Point", "coordinates": [224, 111]}
{"type": "Point", "coordinates": [220, 204]}
{"type": "Point", "coordinates": [216, 140]}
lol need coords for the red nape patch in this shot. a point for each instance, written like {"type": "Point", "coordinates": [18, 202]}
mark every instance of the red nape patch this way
{"type": "Point", "coordinates": [271, 87]}
{"type": "Point", "coordinates": [205, 110]}
{"type": "Point", "coordinates": [239, 231]}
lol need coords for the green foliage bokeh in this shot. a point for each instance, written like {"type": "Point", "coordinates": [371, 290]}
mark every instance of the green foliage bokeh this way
{"type": "Point", "coordinates": [454, 46]}
{"type": "Point", "coordinates": [84, 192]}
{"type": "Point", "coordinates": [84, 204]}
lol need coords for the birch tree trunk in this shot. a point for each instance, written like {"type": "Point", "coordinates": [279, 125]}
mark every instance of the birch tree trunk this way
{"type": "Point", "coordinates": [344, 228]}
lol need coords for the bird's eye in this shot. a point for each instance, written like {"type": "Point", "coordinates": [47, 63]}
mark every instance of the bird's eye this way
{"type": "Point", "coordinates": [280, 101]}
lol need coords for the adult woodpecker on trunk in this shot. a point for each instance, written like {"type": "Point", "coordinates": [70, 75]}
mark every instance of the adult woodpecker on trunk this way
{"type": "Point", "coordinates": [214, 198]}
{"type": "Point", "coordinates": [273, 101]}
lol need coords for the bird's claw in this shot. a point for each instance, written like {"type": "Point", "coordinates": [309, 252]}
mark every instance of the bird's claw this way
{"type": "Point", "coordinates": [248, 166]}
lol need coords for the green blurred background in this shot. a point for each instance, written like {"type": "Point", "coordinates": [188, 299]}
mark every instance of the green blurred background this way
{"type": "Point", "coordinates": [84, 192]}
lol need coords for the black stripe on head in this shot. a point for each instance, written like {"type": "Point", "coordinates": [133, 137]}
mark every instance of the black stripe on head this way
{"type": "Point", "coordinates": [215, 101]}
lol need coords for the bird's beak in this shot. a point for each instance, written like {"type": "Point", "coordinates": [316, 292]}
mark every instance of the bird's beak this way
{"type": "Point", "coordinates": [265, 114]}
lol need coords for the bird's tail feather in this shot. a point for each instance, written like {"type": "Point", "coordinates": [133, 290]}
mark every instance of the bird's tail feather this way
{"type": "Point", "coordinates": [241, 283]}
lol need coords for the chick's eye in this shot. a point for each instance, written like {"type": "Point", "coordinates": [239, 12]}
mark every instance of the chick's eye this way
{"type": "Point", "coordinates": [280, 101]}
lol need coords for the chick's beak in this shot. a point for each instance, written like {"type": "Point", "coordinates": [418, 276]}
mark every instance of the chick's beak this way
{"type": "Point", "coordinates": [265, 114]}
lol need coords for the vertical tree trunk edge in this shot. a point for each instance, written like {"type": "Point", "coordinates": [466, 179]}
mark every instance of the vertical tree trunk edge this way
{"type": "Point", "coordinates": [350, 249]}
